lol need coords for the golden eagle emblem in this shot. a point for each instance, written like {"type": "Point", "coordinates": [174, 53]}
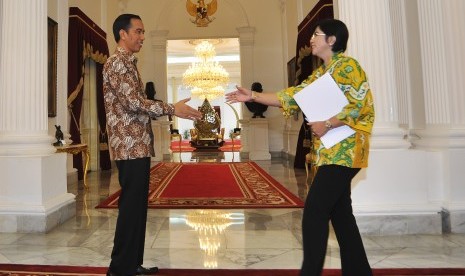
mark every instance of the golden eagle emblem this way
{"type": "Point", "coordinates": [202, 12]}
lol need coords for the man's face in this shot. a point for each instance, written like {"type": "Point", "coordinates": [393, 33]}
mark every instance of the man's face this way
{"type": "Point", "coordinates": [133, 39]}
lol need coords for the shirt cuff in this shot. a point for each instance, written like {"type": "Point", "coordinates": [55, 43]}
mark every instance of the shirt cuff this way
{"type": "Point", "coordinates": [168, 109]}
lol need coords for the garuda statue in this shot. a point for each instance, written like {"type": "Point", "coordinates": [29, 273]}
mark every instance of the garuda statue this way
{"type": "Point", "coordinates": [206, 129]}
{"type": "Point", "coordinates": [209, 123]}
{"type": "Point", "coordinates": [202, 12]}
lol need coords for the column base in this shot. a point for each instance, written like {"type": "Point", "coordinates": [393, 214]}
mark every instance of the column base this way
{"type": "Point", "coordinates": [400, 224]}
{"type": "Point", "coordinates": [34, 222]}
{"type": "Point", "coordinates": [34, 195]}
{"type": "Point", "coordinates": [259, 148]}
{"type": "Point", "coordinates": [457, 222]}
{"type": "Point", "coordinates": [259, 155]}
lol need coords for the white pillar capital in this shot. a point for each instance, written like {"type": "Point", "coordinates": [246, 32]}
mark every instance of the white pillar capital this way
{"type": "Point", "coordinates": [159, 38]}
{"type": "Point", "coordinates": [246, 41]}
{"type": "Point", "coordinates": [246, 36]}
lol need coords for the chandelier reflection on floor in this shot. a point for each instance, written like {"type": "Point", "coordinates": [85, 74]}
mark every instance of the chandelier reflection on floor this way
{"type": "Point", "coordinates": [210, 225]}
{"type": "Point", "coordinates": [206, 77]}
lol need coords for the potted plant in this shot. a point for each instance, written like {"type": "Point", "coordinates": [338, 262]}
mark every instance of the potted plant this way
{"type": "Point", "coordinates": [185, 134]}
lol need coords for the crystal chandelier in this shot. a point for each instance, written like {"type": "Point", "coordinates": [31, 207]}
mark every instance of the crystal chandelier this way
{"type": "Point", "coordinates": [209, 94]}
{"type": "Point", "coordinates": [206, 77]}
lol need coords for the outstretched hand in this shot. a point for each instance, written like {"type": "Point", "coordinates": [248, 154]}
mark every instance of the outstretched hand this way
{"type": "Point", "coordinates": [182, 110]}
{"type": "Point", "coordinates": [240, 95]}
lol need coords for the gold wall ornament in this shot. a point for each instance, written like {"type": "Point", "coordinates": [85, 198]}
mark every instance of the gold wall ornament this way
{"type": "Point", "coordinates": [201, 12]}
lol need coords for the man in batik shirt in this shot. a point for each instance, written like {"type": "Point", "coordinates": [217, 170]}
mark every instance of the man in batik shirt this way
{"type": "Point", "coordinates": [128, 113]}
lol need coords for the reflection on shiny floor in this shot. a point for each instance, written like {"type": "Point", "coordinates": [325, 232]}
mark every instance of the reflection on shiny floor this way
{"type": "Point", "coordinates": [210, 226]}
{"type": "Point", "coordinates": [232, 239]}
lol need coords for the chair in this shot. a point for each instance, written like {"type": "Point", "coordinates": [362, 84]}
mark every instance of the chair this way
{"type": "Point", "coordinates": [194, 134]}
{"type": "Point", "coordinates": [221, 136]}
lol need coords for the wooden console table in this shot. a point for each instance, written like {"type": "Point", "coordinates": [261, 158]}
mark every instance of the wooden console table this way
{"type": "Point", "coordinates": [75, 149]}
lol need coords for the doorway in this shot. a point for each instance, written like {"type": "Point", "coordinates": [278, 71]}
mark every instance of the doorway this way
{"type": "Point", "coordinates": [180, 55]}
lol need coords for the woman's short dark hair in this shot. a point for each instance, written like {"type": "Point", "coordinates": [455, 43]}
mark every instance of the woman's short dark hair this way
{"type": "Point", "coordinates": [338, 29]}
{"type": "Point", "coordinates": [123, 22]}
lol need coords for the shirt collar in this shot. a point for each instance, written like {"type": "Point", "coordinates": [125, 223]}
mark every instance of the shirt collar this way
{"type": "Point", "coordinates": [130, 57]}
{"type": "Point", "coordinates": [336, 56]}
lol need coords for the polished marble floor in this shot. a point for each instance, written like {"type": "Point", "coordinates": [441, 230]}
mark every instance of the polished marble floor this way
{"type": "Point", "coordinates": [232, 239]}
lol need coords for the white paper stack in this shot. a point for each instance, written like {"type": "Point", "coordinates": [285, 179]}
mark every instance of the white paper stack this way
{"type": "Point", "coordinates": [321, 100]}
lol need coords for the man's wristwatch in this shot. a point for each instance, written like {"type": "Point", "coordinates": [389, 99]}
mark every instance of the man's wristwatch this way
{"type": "Point", "coordinates": [328, 125]}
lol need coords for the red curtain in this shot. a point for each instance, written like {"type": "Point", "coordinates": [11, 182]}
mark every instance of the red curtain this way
{"type": "Point", "coordinates": [85, 40]}
{"type": "Point", "coordinates": [306, 63]}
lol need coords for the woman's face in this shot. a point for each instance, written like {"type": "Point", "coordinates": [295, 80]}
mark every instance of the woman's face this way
{"type": "Point", "coordinates": [319, 44]}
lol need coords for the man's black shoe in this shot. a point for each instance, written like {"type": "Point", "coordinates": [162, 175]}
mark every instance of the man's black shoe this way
{"type": "Point", "coordinates": [109, 273]}
{"type": "Point", "coordinates": [146, 271]}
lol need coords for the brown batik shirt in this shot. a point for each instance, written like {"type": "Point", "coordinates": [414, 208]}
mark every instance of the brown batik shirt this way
{"type": "Point", "coordinates": [128, 110]}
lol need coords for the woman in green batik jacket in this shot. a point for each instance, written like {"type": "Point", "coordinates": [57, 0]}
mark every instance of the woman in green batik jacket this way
{"type": "Point", "coordinates": [329, 197]}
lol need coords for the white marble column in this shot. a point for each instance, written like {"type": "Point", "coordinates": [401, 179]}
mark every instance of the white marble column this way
{"type": "Point", "coordinates": [174, 82]}
{"type": "Point", "coordinates": [62, 66]}
{"type": "Point", "coordinates": [400, 183]}
{"type": "Point", "coordinates": [23, 83]}
{"type": "Point", "coordinates": [246, 45]}
{"type": "Point", "coordinates": [63, 119]}
{"type": "Point", "coordinates": [443, 69]}
{"type": "Point", "coordinates": [442, 73]}
{"type": "Point", "coordinates": [371, 43]}
{"type": "Point", "coordinates": [407, 61]}
{"type": "Point", "coordinates": [159, 44]}
{"type": "Point", "coordinates": [158, 142]}
{"type": "Point", "coordinates": [34, 194]}
{"type": "Point", "coordinates": [165, 139]}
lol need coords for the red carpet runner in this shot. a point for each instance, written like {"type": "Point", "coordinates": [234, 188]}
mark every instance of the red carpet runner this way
{"type": "Point", "coordinates": [235, 185]}
{"type": "Point", "coordinates": [42, 270]}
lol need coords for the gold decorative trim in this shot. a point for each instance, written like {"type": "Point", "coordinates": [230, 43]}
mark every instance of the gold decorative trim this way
{"type": "Point", "coordinates": [87, 52]}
